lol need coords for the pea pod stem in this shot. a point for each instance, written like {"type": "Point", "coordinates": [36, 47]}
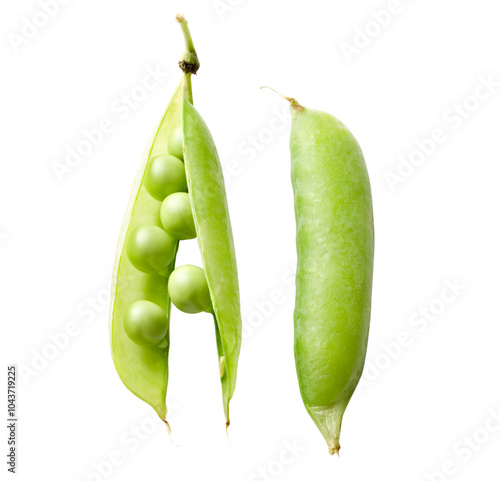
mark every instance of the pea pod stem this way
{"type": "Point", "coordinates": [189, 62]}
{"type": "Point", "coordinates": [187, 86]}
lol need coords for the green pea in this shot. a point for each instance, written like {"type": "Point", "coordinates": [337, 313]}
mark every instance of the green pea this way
{"type": "Point", "coordinates": [164, 176]}
{"type": "Point", "coordinates": [150, 249]}
{"type": "Point", "coordinates": [146, 323]}
{"type": "Point", "coordinates": [177, 217]}
{"type": "Point", "coordinates": [188, 289]}
{"type": "Point", "coordinates": [144, 264]}
{"type": "Point", "coordinates": [335, 247]}
{"type": "Point", "coordinates": [174, 143]}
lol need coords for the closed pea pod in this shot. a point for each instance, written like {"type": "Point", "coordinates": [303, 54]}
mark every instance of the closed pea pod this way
{"type": "Point", "coordinates": [335, 249]}
{"type": "Point", "coordinates": [174, 166]}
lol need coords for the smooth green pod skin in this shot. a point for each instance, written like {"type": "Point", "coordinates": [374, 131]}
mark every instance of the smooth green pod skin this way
{"type": "Point", "coordinates": [213, 227]}
{"type": "Point", "coordinates": [335, 248]}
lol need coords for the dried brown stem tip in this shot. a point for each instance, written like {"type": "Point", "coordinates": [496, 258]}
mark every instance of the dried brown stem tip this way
{"type": "Point", "coordinates": [293, 103]}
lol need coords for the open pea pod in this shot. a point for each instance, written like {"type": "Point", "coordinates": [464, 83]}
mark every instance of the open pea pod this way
{"type": "Point", "coordinates": [141, 302]}
{"type": "Point", "coordinates": [208, 201]}
{"type": "Point", "coordinates": [143, 369]}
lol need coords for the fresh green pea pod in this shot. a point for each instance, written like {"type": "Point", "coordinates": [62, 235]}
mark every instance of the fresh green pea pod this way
{"type": "Point", "coordinates": [335, 249]}
{"type": "Point", "coordinates": [143, 369]}
{"type": "Point", "coordinates": [139, 331]}
{"type": "Point", "coordinates": [213, 228]}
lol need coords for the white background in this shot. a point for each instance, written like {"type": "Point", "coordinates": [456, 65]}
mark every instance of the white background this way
{"type": "Point", "coordinates": [418, 405]}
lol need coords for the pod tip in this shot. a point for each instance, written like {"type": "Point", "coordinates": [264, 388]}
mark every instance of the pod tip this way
{"type": "Point", "coordinates": [293, 103]}
{"type": "Point", "coordinates": [290, 99]}
{"type": "Point", "coordinates": [227, 432]}
{"type": "Point", "coordinates": [334, 449]}
{"type": "Point", "coordinates": [167, 425]}
{"type": "Point", "coordinates": [329, 421]}
{"type": "Point", "coordinates": [180, 17]}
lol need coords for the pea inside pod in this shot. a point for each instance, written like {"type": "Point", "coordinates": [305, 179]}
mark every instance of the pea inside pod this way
{"type": "Point", "coordinates": [176, 216]}
{"type": "Point", "coordinates": [180, 164]}
{"type": "Point", "coordinates": [335, 249]}
{"type": "Point", "coordinates": [164, 176]}
{"type": "Point", "coordinates": [188, 289]}
{"type": "Point", "coordinates": [146, 323]}
{"type": "Point", "coordinates": [150, 249]}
